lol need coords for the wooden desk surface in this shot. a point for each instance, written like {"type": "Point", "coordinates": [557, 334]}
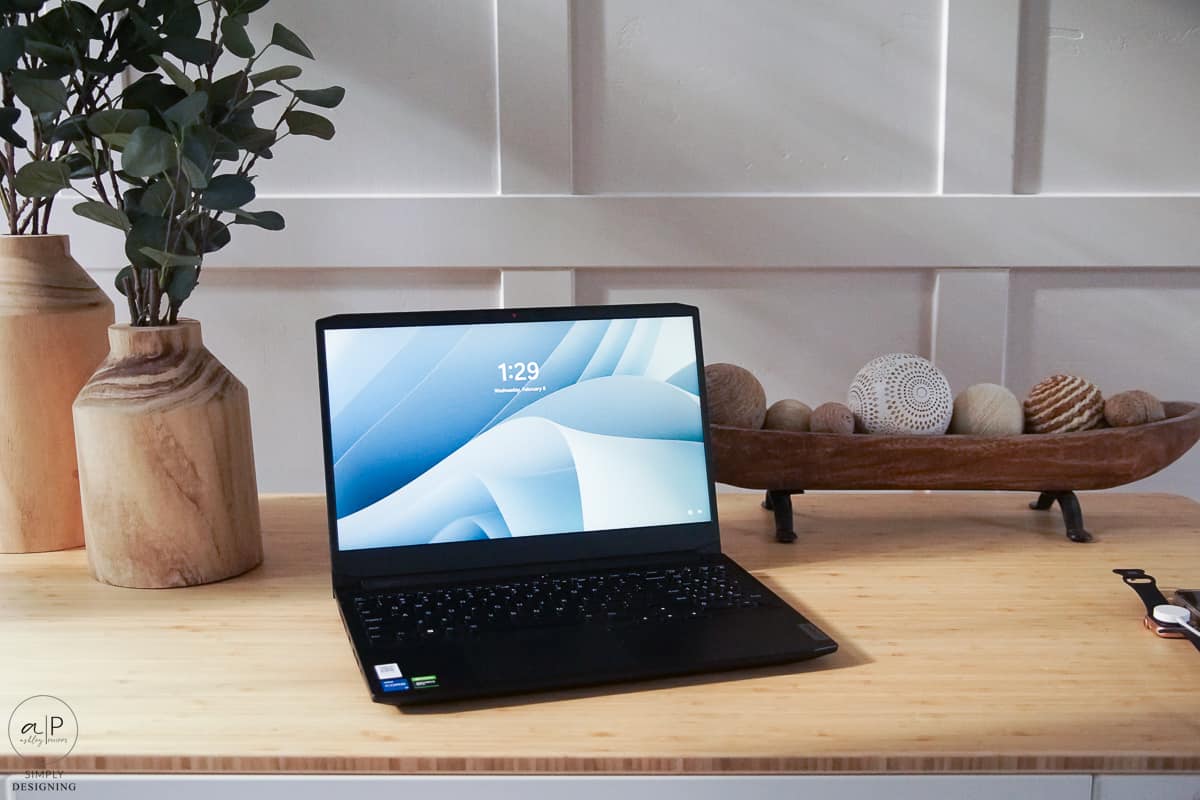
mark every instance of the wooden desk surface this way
{"type": "Point", "coordinates": [974, 638]}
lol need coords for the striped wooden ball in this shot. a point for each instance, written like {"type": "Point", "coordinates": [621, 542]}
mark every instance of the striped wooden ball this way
{"type": "Point", "coordinates": [1062, 404]}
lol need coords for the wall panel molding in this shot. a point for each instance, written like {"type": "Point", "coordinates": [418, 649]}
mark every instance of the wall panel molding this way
{"type": "Point", "coordinates": [533, 91]}
{"type": "Point", "coordinates": [667, 232]}
{"type": "Point", "coordinates": [979, 131]}
{"type": "Point", "coordinates": [969, 325]}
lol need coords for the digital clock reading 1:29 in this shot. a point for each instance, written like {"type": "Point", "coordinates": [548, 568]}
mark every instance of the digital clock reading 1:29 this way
{"type": "Point", "coordinates": [520, 371]}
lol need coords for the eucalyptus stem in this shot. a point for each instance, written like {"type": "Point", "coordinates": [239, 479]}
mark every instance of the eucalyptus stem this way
{"type": "Point", "coordinates": [10, 171]}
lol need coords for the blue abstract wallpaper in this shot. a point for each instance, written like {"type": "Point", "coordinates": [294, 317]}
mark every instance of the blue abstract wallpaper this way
{"type": "Point", "coordinates": [470, 432]}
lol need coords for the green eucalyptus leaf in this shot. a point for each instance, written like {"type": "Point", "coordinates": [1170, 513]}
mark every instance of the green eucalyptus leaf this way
{"type": "Point", "coordinates": [305, 123]}
{"type": "Point", "coordinates": [79, 166]}
{"type": "Point", "coordinates": [182, 281]}
{"type": "Point", "coordinates": [241, 6]}
{"type": "Point", "coordinates": [228, 90]}
{"type": "Point", "coordinates": [199, 150]}
{"type": "Point", "coordinates": [116, 141]}
{"type": "Point", "coordinates": [270, 220]}
{"type": "Point", "coordinates": [137, 42]}
{"type": "Point", "coordinates": [50, 71]}
{"type": "Point", "coordinates": [148, 93]}
{"type": "Point", "coordinates": [117, 120]}
{"type": "Point", "coordinates": [21, 6]}
{"type": "Point", "coordinates": [12, 45]}
{"type": "Point", "coordinates": [284, 38]}
{"type": "Point", "coordinates": [235, 38]}
{"type": "Point", "coordinates": [8, 119]}
{"type": "Point", "coordinates": [104, 214]}
{"type": "Point", "coordinates": [227, 192]}
{"type": "Point", "coordinates": [84, 148]}
{"type": "Point", "coordinates": [147, 231]}
{"type": "Point", "coordinates": [195, 176]}
{"type": "Point", "coordinates": [159, 198]}
{"type": "Point", "coordinates": [125, 273]}
{"type": "Point", "coordinates": [256, 140]}
{"type": "Point", "coordinates": [330, 97]}
{"type": "Point", "coordinates": [66, 23]}
{"type": "Point", "coordinates": [218, 236]}
{"type": "Point", "coordinates": [285, 72]}
{"type": "Point", "coordinates": [149, 151]}
{"type": "Point", "coordinates": [188, 110]}
{"type": "Point", "coordinates": [209, 234]}
{"type": "Point", "coordinates": [48, 51]}
{"type": "Point", "coordinates": [40, 95]}
{"type": "Point", "coordinates": [42, 179]}
{"type": "Point", "coordinates": [182, 19]}
{"type": "Point", "coordinates": [165, 259]}
{"type": "Point", "coordinates": [131, 199]}
{"type": "Point", "coordinates": [238, 118]}
{"type": "Point", "coordinates": [191, 50]}
{"type": "Point", "coordinates": [70, 129]}
{"type": "Point", "coordinates": [257, 97]}
{"type": "Point", "coordinates": [113, 6]}
{"type": "Point", "coordinates": [177, 76]}
{"type": "Point", "coordinates": [79, 21]}
{"type": "Point", "coordinates": [96, 66]}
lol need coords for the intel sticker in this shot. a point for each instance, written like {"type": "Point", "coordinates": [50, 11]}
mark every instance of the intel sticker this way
{"type": "Point", "coordinates": [395, 685]}
{"type": "Point", "coordinates": [388, 671]}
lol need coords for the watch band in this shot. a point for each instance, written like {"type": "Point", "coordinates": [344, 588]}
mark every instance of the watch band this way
{"type": "Point", "coordinates": [1145, 586]}
{"type": "Point", "coordinates": [1147, 589]}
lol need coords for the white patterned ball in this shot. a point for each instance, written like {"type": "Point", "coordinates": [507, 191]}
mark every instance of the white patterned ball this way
{"type": "Point", "coordinates": [901, 393]}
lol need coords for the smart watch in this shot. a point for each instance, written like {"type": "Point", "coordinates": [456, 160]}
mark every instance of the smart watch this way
{"type": "Point", "coordinates": [1147, 589]}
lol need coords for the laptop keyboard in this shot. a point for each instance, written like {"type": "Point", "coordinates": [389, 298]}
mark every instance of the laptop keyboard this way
{"type": "Point", "coordinates": [615, 597]}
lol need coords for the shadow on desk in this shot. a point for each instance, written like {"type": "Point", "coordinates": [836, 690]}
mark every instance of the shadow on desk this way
{"type": "Point", "coordinates": [915, 526]}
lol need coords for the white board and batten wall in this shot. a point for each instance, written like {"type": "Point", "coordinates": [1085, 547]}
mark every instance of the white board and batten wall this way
{"type": "Point", "coordinates": [1007, 187]}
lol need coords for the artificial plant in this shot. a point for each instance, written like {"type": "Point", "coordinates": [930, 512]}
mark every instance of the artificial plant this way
{"type": "Point", "coordinates": [58, 63]}
{"type": "Point", "coordinates": [178, 145]}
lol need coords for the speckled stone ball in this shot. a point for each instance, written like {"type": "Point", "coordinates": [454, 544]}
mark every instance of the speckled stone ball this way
{"type": "Point", "coordinates": [1063, 404]}
{"type": "Point", "coordinates": [735, 397]}
{"type": "Point", "coordinates": [788, 415]}
{"type": "Point", "coordinates": [987, 409]}
{"type": "Point", "coordinates": [1132, 408]}
{"type": "Point", "coordinates": [832, 418]}
{"type": "Point", "coordinates": [901, 393]}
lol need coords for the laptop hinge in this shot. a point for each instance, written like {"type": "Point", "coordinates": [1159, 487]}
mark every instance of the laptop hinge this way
{"type": "Point", "coordinates": [375, 583]}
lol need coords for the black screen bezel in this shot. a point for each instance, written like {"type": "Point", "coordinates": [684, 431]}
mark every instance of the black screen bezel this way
{"type": "Point", "coordinates": [351, 566]}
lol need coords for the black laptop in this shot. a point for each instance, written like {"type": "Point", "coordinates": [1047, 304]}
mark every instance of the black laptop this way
{"type": "Point", "coordinates": [522, 499]}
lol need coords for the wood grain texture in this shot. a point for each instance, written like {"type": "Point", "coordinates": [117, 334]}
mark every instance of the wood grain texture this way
{"type": "Point", "coordinates": [1086, 460]}
{"type": "Point", "coordinates": [166, 463]}
{"type": "Point", "coordinates": [52, 323]}
{"type": "Point", "coordinates": [1049, 669]}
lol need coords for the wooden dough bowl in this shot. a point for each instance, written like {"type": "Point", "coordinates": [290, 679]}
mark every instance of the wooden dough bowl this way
{"type": "Point", "coordinates": [1056, 465]}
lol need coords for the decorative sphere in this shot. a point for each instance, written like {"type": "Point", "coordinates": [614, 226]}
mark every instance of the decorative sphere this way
{"type": "Point", "coordinates": [1132, 408]}
{"type": "Point", "coordinates": [987, 409]}
{"type": "Point", "coordinates": [788, 415]}
{"type": "Point", "coordinates": [832, 418]}
{"type": "Point", "coordinates": [901, 393]}
{"type": "Point", "coordinates": [735, 397]}
{"type": "Point", "coordinates": [1063, 404]}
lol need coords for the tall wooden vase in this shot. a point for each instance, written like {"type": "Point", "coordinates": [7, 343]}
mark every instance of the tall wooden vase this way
{"type": "Point", "coordinates": [166, 465]}
{"type": "Point", "coordinates": [52, 323]}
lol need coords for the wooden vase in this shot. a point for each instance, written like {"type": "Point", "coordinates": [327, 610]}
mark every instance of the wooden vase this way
{"type": "Point", "coordinates": [52, 323]}
{"type": "Point", "coordinates": [166, 464]}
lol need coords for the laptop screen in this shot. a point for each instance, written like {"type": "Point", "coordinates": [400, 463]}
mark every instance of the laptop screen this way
{"type": "Point", "coordinates": [454, 433]}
